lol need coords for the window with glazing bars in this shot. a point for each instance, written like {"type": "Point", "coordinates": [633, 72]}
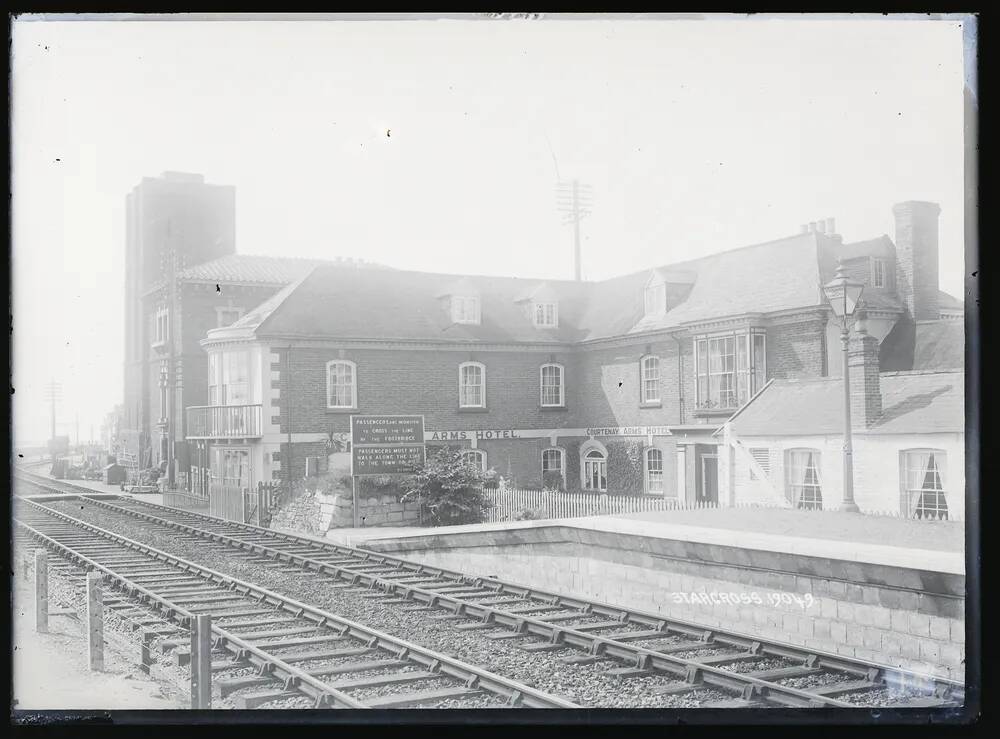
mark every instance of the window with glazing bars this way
{"type": "Point", "coordinates": [923, 484]}
{"type": "Point", "coordinates": [552, 385]}
{"type": "Point", "coordinates": [729, 369]}
{"type": "Point", "coordinates": [804, 487]}
{"type": "Point", "coordinates": [471, 385]}
{"type": "Point", "coordinates": [654, 471]}
{"type": "Point", "coordinates": [650, 379]}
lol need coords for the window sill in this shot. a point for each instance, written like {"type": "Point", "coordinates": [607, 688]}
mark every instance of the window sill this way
{"type": "Point", "coordinates": [544, 408]}
{"type": "Point", "coordinates": [714, 412]}
{"type": "Point", "coordinates": [476, 409]}
{"type": "Point", "coordinates": [342, 410]}
{"type": "Point", "coordinates": [652, 404]}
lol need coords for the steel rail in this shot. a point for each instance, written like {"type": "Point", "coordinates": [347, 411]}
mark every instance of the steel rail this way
{"type": "Point", "coordinates": [241, 650]}
{"type": "Point", "coordinates": [688, 670]}
{"type": "Point", "coordinates": [873, 672]}
{"type": "Point", "coordinates": [474, 677]}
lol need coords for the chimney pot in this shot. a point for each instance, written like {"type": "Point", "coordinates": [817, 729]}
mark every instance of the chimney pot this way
{"type": "Point", "coordinates": [820, 227]}
{"type": "Point", "coordinates": [804, 228]}
{"type": "Point", "coordinates": [831, 226]}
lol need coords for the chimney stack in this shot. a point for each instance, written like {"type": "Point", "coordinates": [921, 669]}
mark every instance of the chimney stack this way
{"type": "Point", "coordinates": [917, 258]}
{"type": "Point", "coordinates": [831, 227]}
{"type": "Point", "coordinates": [820, 226]}
{"type": "Point", "coordinates": [866, 393]}
{"type": "Point", "coordinates": [804, 228]}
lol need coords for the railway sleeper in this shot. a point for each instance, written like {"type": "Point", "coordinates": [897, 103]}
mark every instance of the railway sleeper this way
{"type": "Point", "coordinates": [629, 672]}
{"type": "Point", "coordinates": [414, 699]}
{"type": "Point", "coordinates": [228, 686]}
{"type": "Point", "coordinates": [835, 689]}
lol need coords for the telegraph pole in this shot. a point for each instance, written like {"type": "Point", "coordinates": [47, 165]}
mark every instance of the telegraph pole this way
{"type": "Point", "coordinates": [573, 200]}
{"type": "Point", "coordinates": [53, 391]}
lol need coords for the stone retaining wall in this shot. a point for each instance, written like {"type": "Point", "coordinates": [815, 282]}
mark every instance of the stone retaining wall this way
{"type": "Point", "coordinates": [317, 513]}
{"type": "Point", "coordinates": [912, 619]}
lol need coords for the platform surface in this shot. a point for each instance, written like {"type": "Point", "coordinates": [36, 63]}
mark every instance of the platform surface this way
{"type": "Point", "coordinates": [934, 546]}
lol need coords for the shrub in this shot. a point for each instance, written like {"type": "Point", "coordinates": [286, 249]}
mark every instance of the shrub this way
{"type": "Point", "coordinates": [450, 491]}
{"type": "Point", "coordinates": [529, 514]}
{"type": "Point", "coordinates": [553, 481]}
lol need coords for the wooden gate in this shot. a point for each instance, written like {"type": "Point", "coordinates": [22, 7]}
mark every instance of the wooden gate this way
{"type": "Point", "coordinates": [226, 501]}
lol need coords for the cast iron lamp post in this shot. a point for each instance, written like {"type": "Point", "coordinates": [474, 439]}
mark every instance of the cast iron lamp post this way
{"type": "Point", "coordinates": [843, 293]}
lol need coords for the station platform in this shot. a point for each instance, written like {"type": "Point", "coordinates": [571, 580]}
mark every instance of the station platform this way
{"type": "Point", "coordinates": [935, 546]}
{"type": "Point", "coordinates": [881, 589]}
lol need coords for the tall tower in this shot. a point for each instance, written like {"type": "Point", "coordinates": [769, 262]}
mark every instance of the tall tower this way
{"type": "Point", "coordinates": [173, 221]}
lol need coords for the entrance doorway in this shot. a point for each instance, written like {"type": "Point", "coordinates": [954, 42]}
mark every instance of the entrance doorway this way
{"type": "Point", "coordinates": [708, 489]}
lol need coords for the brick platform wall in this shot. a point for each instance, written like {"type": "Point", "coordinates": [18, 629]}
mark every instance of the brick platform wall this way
{"type": "Point", "coordinates": [851, 610]}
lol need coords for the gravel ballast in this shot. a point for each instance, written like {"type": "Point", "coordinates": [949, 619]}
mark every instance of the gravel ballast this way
{"type": "Point", "coordinates": [584, 684]}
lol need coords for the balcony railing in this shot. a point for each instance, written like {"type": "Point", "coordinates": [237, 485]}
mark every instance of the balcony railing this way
{"type": "Point", "coordinates": [224, 421]}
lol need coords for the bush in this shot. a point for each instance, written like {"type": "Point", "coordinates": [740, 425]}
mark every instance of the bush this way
{"type": "Point", "coordinates": [529, 514]}
{"type": "Point", "coordinates": [450, 491]}
{"type": "Point", "coordinates": [553, 481]}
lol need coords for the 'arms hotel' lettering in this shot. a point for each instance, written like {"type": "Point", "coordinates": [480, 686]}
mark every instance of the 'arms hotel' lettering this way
{"type": "Point", "coordinates": [479, 435]}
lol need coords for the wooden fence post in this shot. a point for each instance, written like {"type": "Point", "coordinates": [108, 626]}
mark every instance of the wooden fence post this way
{"type": "Point", "coordinates": [201, 662]}
{"type": "Point", "coordinates": [146, 655]}
{"type": "Point", "coordinates": [95, 621]}
{"type": "Point", "coordinates": [41, 591]}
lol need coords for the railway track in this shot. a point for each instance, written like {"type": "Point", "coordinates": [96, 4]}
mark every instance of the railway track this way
{"type": "Point", "coordinates": [275, 650]}
{"type": "Point", "coordinates": [644, 645]}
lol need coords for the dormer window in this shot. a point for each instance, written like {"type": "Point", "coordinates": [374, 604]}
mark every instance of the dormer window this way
{"type": "Point", "coordinates": [656, 295]}
{"type": "Point", "coordinates": [545, 315]}
{"type": "Point", "coordinates": [878, 273]}
{"type": "Point", "coordinates": [465, 309]}
{"type": "Point", "coordinates": [656, 299]}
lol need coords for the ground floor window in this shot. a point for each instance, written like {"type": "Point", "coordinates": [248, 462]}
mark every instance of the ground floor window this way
{"type": "Point", "coordinates": [804, 487]}
{"type": "Point", "coordinates": [553, 468]}
{"type": "Point", "coordinates": [654, 471]}
{"type": "Point", "coordinates": [475, 457]}
{"type": "Point", "coordinates": [595, 471]}
{"type": "Point", "coordinates": [923, 483]}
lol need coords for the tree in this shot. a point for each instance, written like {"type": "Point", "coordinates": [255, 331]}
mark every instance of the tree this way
{"type": "Point", "coordinates": [450, 489]}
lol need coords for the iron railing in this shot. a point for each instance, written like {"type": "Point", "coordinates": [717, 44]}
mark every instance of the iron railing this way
{"type": "Point", "coordinates": [224, 421]}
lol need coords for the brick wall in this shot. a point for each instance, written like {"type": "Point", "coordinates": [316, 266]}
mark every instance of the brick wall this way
{"type": "Point", "coordinates": [602, 383]}
{"type": "Point", "coordinates": [423, 382]}
{"type": "Point", "coordinates": [856, 612]}
{"type": "Point", "coordinates": [797, 350]}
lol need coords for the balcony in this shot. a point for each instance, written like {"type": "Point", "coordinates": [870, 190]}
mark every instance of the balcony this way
{"type": "Point", "coordinates": [224, 421]}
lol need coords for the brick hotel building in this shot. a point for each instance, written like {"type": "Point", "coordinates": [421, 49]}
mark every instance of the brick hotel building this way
{"type": "Point", "coordinates": [616, 385]}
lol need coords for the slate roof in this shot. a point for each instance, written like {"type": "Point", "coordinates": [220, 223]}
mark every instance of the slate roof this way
{"type": "Point", "coordinates": [939, 345]}
{"type": "Point", "coordinates": [949, 302]}
{"type": "Point", "coordinates": [264, 270]}
{"type": "Point", "coordinates": [912, 402]}
{"type": "Point", "coordinates": [397, 304]}
{"type": "Point", "coordinates": [782, 275]}
{"type": "Point", "coordinates": [775, 276]}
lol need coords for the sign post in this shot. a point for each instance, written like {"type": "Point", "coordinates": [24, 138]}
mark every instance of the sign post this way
{"type": "Point", "coordinates": [384, 445]}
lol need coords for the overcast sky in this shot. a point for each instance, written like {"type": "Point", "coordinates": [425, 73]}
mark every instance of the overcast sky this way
{"type": "Point", "coordinates": [436, 145]}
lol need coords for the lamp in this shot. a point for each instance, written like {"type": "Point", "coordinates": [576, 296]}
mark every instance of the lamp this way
{"type": "Point", "coordinates": [844, 294]}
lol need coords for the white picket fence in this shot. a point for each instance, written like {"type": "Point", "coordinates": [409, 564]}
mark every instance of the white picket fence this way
{"type": "Point", "coordinates": [512, 504]}
{"type": "Point", "coordinates": [515, 504]}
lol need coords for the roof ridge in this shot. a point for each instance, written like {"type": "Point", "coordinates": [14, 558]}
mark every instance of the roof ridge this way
{"type": "Point", "coordinates": [694, 260]}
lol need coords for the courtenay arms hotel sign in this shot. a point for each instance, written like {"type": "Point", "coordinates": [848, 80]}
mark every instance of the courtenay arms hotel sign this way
{"type": "Point", "coordinates": [491, 434]}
